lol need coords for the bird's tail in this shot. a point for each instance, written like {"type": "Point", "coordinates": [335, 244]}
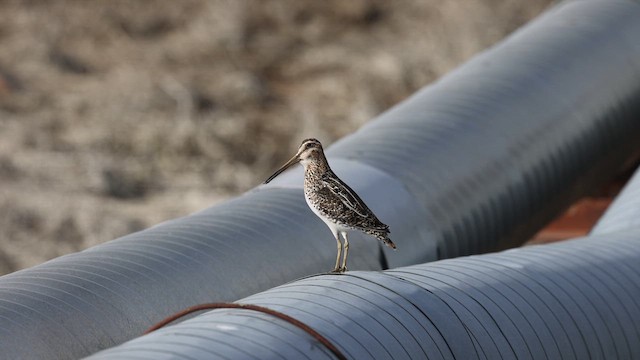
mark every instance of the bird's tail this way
{"type": "Point", "coordinates": [384, 237]}
{"type": "Point", "coordinates": [389, 243]}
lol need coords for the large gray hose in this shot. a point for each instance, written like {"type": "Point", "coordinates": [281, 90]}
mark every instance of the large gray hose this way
{"type": "Point", "coordinates": [572, 300]}
{"type": "Point", "coordinates": [517, 132]}
{"type": "Point", "coordinates": [475, 162]}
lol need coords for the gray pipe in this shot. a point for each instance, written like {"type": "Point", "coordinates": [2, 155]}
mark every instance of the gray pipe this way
{"type": "Point", "coordinates": [477, 161]}
{"type": "Point", "coordinates": [524, 127]}
{"type": "Point", "coordinates": [572, 300]}
{"type": "Point", "coordinates": [624, 212]}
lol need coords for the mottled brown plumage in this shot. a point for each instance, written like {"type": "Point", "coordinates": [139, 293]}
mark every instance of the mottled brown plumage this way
{"type": "Point", "coordinates": [333, 201]}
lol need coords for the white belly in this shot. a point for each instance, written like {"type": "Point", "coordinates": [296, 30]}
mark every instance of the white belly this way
{"type": "Point", "coordinates": [335, 228]}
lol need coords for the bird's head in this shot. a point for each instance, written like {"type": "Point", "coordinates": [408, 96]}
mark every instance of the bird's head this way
{"type": "Point", "coordinates": [310, 150]}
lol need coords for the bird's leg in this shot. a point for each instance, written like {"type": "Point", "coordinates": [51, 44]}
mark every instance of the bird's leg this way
{"type": "Point", "coordinates": [337, 267]}
{"type": "Point", "coordinates": [343, 268]}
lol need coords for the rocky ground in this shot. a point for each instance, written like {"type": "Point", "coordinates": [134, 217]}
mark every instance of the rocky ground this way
{"type": "Point", "coordinates": [117, 114]}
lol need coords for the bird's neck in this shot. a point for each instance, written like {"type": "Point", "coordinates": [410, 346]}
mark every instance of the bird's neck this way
{"type": "Point", "coordinates": [315, 168]}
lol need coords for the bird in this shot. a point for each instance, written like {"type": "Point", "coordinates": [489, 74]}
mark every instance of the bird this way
{"type": "Point", "coordinates": [333, 201]}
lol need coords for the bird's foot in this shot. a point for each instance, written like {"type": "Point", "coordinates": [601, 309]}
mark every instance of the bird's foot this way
{"type": "Point", "coordinates": [343, 269]}
{"type": "Point", "coordinates": [339, 270]}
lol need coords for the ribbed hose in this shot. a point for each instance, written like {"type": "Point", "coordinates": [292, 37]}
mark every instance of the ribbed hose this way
{"type": "Point", "coordinates": [475, 162]}
{"type": "Point", "coordinates": [518, 132]}
{"type": "Point", "coordinates": [572, 300]}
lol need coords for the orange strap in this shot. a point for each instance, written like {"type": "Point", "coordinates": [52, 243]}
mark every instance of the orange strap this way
{"type": "Point", "coordinates": [316, 335]}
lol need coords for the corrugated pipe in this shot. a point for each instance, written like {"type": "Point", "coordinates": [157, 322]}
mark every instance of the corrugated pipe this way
{"type": "Point", "coordinates": [572, 300]}
{"type": "Point", "coordinates": [475, 162]}
{"type": "Point", "coordinates": [624, 212]}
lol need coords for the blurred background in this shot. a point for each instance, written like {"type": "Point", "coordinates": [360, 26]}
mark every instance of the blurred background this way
{"type": "Point", "coordinates": [116, 114]}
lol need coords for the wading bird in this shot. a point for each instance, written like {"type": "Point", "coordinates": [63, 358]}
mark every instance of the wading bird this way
{"type": "Point", "coordinates": [333, 201]}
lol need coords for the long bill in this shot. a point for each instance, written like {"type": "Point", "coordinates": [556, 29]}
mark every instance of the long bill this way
{"type": "Point", "coordinates": [294, 160]}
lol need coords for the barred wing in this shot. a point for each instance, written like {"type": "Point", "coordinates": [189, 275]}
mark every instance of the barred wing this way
{"type": "Point", "coordinates": [352, 201]}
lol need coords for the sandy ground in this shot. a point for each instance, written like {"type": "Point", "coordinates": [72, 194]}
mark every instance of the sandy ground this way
{"type": "Point", "coordinates": [116, 114]}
